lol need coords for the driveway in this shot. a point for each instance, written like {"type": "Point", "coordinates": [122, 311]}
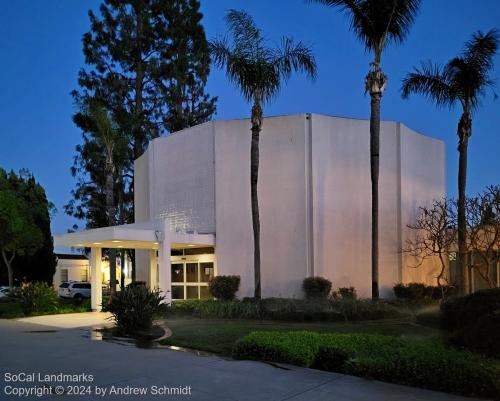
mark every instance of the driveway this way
{"type": "Point", "coordinates": [30, 346]}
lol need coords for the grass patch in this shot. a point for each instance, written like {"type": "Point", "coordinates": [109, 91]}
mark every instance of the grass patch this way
{"type": "Point", "coordinates": [425, 363]}
{"type": "Point", "coordinates": [219, 335]}
{"type": "Point", "coordinates": [288, 309]}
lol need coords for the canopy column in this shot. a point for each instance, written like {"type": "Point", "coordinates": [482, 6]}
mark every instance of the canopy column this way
{"type": "Point", "coordinates": [164, 269]}
{"type": "Point", "coordinates": [96, 279]}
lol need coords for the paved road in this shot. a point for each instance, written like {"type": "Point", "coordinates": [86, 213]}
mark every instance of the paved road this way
{"type": "Point", "coordinates": [49, 347]}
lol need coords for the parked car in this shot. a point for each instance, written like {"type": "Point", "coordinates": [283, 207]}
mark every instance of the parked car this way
{"type": "Point", "coordinates": [75, 289]}
{"type": "Point", "coordinates": [4, 291]}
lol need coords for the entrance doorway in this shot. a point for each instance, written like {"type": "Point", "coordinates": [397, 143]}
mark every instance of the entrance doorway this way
{"type": "Point", "coordinates": [190, 279]}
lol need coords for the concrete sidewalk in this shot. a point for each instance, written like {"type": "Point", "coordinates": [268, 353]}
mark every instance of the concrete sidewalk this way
{"type": "Point", "coordinates": [70, 320]}
{"type": "Point", "coordinates": [27, 347]}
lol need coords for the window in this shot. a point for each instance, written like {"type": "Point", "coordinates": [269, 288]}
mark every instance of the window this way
{"type": "Point", "coordinates": [206, 272]}
{"type": "Point", "coordinates": [84, 275]}
{"type": "Point", "coordinates": [192, 272]}
{"type": "Point", "coordinates": [190, 279]}
{"type": "Point", "coordinates": [64, 275]}
{"type": "Point", "coordinates": [177, 273]}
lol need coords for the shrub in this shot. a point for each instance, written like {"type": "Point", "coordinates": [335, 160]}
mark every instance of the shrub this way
{"type": "Point", "coordinates": [419, 291]}
{"type": "Point", "coordinates": [290, 309]}
{"type": "Point", "coordinates": [331, 358]}
{"type": "Point", "coordinates": [482, 335]}
{"type": "Point", "coordinates": [316, 287]}
{"type": "Point", "coordinates": [460, 312]}
{"type": "Point", "coordinates": [422, 363]}
{"type": "Point", "coordinates": [224, 288]}
{"type": "Point", "coordinates": [135, 308]}
{"type": "Point", "coordinates": [347, 293]}
{"type": "Point", "coordinates": [36, 297]}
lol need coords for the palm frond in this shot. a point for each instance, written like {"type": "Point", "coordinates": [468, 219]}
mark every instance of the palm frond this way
{"type": "Point", "coordinates": [245, 34]}
{"type": "Point", "coordinates": [480, 49]}
{"type": "Point", "coordinates": [254, 67]}
{"type": "Point", "coordinates": [432, 82]}
{"type": "Point", "coordinates": [220, 51]}
{"type": "Point", "coordinates": [378, 22]}
{"type": "Point", "coordinates": [291, 56]}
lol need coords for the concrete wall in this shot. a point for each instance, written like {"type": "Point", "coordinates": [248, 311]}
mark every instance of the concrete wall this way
{"type": "Point", "coordinates": [174, 178]}
{"type": "Point", "coordinates": [282, 204]}
{"type": "Point", "coordinates": [314, 195]}
{"type": "Point", "coordinates": [422, 181]}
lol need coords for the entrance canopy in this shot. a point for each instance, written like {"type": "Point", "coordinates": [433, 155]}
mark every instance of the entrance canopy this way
{"type": "Point", "coordinates": [154, 235]}
{"type": "Point", "coordinates": [146, 235]}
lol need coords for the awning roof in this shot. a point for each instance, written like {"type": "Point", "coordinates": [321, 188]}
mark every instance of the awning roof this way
{"type": "Point", "coordinates": [132, 236]}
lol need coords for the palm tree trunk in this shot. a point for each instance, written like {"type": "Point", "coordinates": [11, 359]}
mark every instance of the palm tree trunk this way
{"type": "Point", "coordinates": [375, 84]}
{"type": "Point", "coordinates": [254, 178]}
{"type": "Point", "coordinates": [464, 134]}
{"type": "Point", "coordinates": [374, 167]}
{"type": "Point", "coordinates": [111, 222]}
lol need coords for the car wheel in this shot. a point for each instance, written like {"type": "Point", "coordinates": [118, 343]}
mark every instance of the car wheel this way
{"type": "Point", "coordinates": [78, 297]}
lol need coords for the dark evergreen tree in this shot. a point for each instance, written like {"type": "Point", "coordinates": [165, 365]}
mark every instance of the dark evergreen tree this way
{"type": "Point", "coordinates": [148, 61]}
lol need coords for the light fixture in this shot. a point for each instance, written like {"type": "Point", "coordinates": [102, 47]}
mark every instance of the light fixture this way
{"type": "Point", "coordinates": [116, 241]}
{"type": "Point", "coordinates": [156, 243]}
{"type": "Point", "coordinates": [191, 245]}
{"type": "Point", "coordinates": [79, 244]}
{"type": "Point", "coordinates": [97, 243]}
{"type": "Point", "coordinates": [120, 246]}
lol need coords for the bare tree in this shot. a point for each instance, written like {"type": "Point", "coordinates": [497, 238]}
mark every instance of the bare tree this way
{"type": "Point", "coordinates": [433, 234]}
{"type": "Point", "coordinates": [483, 226]}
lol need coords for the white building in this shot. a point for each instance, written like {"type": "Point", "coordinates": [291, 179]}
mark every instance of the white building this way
{"type": "Point", "coordinates": [192, 204]}
{"type": "Point", "coordinates": [71, 267]}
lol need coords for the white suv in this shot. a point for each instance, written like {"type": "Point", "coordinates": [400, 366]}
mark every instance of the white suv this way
{"type": "Point", "coordinates": [74, 289]}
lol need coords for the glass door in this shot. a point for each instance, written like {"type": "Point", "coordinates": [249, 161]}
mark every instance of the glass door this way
{"type": "Point", "coordinates": [190, 279]}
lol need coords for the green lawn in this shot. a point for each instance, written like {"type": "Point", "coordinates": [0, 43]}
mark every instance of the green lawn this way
{"type": "Point", "coordinates": [219, 335]}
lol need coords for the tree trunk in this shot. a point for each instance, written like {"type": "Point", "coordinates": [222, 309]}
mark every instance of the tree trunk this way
{"type": "Point", "coordinates": [254, 177]}
{"type": "Point", "coordinates": [8, 264]}
{"type": "Point", "coordinates": [464, 130]}
{"type": "Point", "coordinates": [375, 84]}
{"type": "Point", "coordinates": [111, 211]}
{"type": "Point", "coordinates": [374, 167]}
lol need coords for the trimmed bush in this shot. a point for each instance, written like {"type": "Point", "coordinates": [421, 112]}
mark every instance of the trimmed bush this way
{"type": "Point", "coordinates": [135, 308]}
{"type": "Point", "coordinates": [423, 363]}
{"type": "Point", "coordinates": [460, 312]}
{"type": "Point", "coordinates": [331, 358]}
{"type": "Point", "coordinates": [347, 293]}
{"type": "Point", "coordinates": [35, 298]}
{"type": "Point", "coordinates": [316, 287]}
{"type": "Point", "coordinates": [419, 291]}
{"type": "Point", "coordinates": [224, 288]}
{"type": "Point", "coordinates": [482, 335]}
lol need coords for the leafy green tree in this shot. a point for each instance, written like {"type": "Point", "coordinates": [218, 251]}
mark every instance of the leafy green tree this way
{"type": "Point", "coordinates": [259, 72]}
{"type": "Point", "coordinates": [462, 81]}
{"type": "Point", "coordinates": [25, 228]}
{"type": "Point", "coordinates": [377, 23]}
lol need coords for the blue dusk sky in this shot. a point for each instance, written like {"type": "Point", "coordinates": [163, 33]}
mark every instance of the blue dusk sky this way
{"type": "Point", "coordinates": [41, 51]}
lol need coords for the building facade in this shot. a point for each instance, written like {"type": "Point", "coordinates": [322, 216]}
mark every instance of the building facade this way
{"type": "Point", "coordinates": [314, 197]}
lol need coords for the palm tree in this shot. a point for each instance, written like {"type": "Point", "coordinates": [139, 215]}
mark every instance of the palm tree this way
{"type": "Point", "coordinates": [463, 81]}
{"type": "Point", "coordinates": [376, 23]}
{"type": "Point", "coordinates": [258, 71]}
{"type": "Point", "coordinates": [110, 142]}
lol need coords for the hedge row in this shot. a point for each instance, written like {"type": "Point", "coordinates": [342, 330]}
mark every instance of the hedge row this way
{"type": "Point", "coordinates": [331, 310]}
{"type": "Point", "coordinates": [421, 363]}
